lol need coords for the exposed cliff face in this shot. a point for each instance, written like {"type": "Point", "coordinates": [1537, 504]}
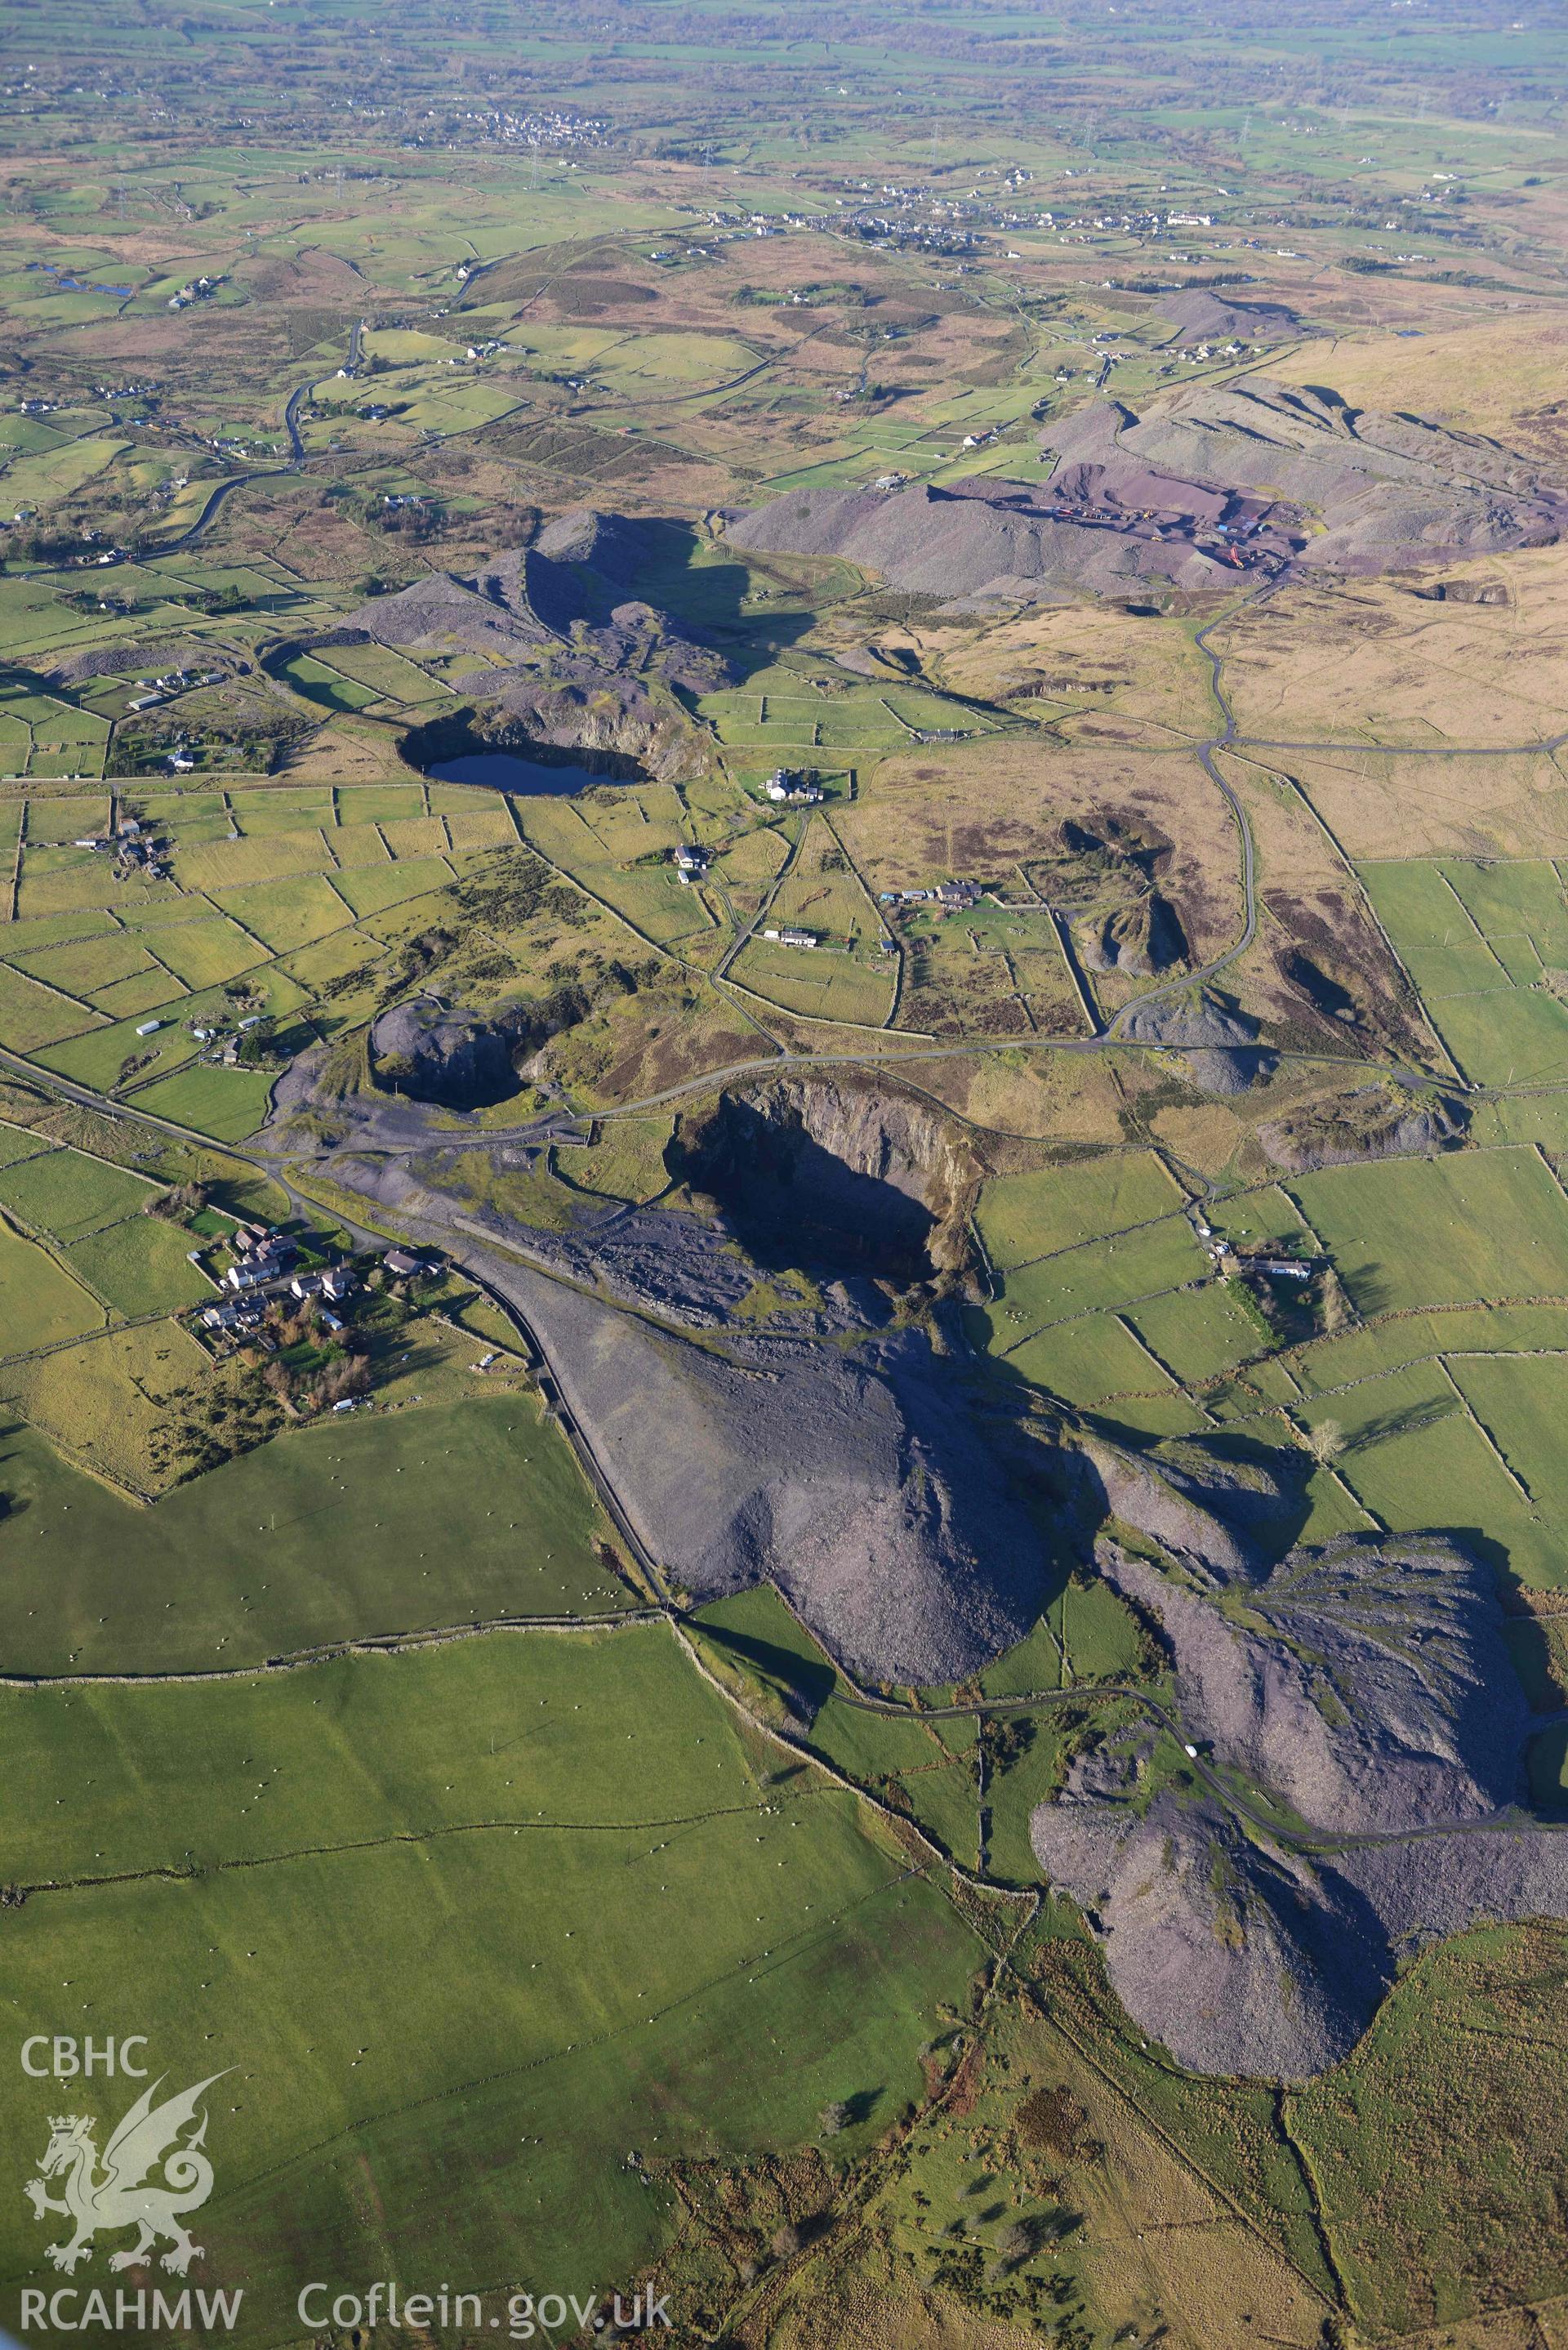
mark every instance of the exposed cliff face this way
{"type": "Point", "coordinates": [837, 1171]}
{"type": "Point", "coordinates": [598, 717]}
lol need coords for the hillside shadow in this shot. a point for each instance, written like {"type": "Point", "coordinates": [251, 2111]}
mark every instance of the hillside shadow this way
{"type": "Point", "coordinates": [708, 600]}
{"type": "Point", "coordinates": [806, 1685]}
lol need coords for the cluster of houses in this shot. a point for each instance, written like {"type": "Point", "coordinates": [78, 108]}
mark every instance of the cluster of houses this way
{"type": "Point", "coordinates": [215, 1033]}
{"type": "Point", "coordinates": [260, 1256]}
{"type": "Point", "coordinates": [197, 290]}
{"type": "Point", "coordinates": [796, 786]}
{"type": "Point", "coordinates": [1227, 1260]}
{"type": "Point", "coordinates": [154, 690]}
{"type": "Point", "coordinates": [789, 937]}
{"type": "Point", "coordinates": [260, 1271]}
{"type": "Point", "coordinates": [691, 863]}
{"type": "Point", "coordinates": [948, 897]}
{"type": "Point", "coordinates": [133, 849]}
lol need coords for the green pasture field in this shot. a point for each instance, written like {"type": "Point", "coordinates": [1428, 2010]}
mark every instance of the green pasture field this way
{"type": "Point", "coordinates": [293, 1544]}
{"type": "Point", "coordinates": [1198, 1333]}
{"type": "Point", "coordinates": [1520, 1401]}
{"type": "Point", "coordinates": [83, 966]}
{"type": "Point", "coordinates": [204, 952]}
{"type": "Point", "coordinates": [1378, 1411]}
{"type": "Point", "coordinates": [359, 804]}
{"type": "Point", "coordinates": [1469, 1225]}
{"type": "Point", "coordinates": [67, 1194]}
{"type": "Point", "coordinates": [1475, 939]}
{"type": "Point", "coordinates": [1140, 1264]}
{"type": "Point", "coordinates": [1012, 1796]}
{"type": "Point", "coordinates": [946, 1803]}
{"type": "Point", "coordinates": [221, 865]}
{"type": "Point", "coordinates": [145, 991]}
{"type": "Point", "coordinates": [386, 675]}
{"type": "Point", "coordinates": [373, 889]}
{"type": "Point", "coordinates": [626, 1163]}
{"type": "Point", "coordinates": [1085, 1361]}
{"type": "Point", "coordinates": [602, 2003]}
{"type": "Point", "coordinates": [1524, 1118]}
{"type": "Point", "coordinates": [424, 1724]}
{"type": "Point", "coordinates": [1402, 1339]}
{"type": "Point", "coordinates": [1506, 1036]}
{"type": "Point", "coordinates": [60, 821]}
{"type": "Point", "coordinates": [97, 1058]}
{"type": "Point", "coordinates": [319, 683]}
{"type": "Point", "coordinates": [833, 904]}
{"type": "Point", "coordinates": [1099, 1633]}
{"type": "Point", "coordinates": [925, 1769]}
{"type": "Point", "coordinates": [142, 1266]}
{"type": "Point", "coordinates": [18, 1142]}
{"type": "Point", "coordinates": [51, 929]}
{"type": "Point", "coordinates": [332, 957]}
{"type": "Point", "coordinates": [68, 882]}
{"type": "Point", "coordinates": [1429, 2178]}
{"type": "Point", "coordinates": [265, 808]}
{"type": "Point", "coordinates": [356, 845]}
{"type": "Point", "coordinates": [820, 983]}
{"type": "Point", "coordinates": [1032, 1663]}
{"type": "Point", "coordinates": [413, 837]}
{"type": "Point", "coordinates": [39, 1302]}
{"type": "Point", "coordinates": [754, 1633]}
{"type": "Point", "coordinates": [651, 899]}
{"type": "Point", "coordinates": [227, 1104]}
{"type": "Point", "coordinates": [1263, 1214]}
{"type": "Point", "coordinates": [1416, 1462]}
{"type": "Point", "coordinates": [32, 1015]}
{"type": "Point", "coordinates": [1020, 1217]}
{"type": "Point", "coordinates": [871, 1747]}
{"type": "Point", "coordinates": [1517, 902]}
{"type": "Point", "coordinates": [288, 914]}
{"type": "Point", "coordinates": [474, 828]}
{"type": "Point", "coordinates": [106, 1399]}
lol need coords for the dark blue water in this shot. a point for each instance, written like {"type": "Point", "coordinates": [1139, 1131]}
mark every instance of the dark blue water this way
{"type": "Point", "coordinates": [503, 773]}
{"type": "Point", "coordinates": [81, 284]}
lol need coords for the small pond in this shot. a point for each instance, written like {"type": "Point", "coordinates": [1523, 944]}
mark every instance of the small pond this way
{"type": "Point", "coordinates": [503, 773]}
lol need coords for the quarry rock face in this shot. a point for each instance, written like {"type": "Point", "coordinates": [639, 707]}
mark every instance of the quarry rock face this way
{"type": "Point", "coordinates": [875, 1179]}
{"type": "Point", "coordinates": [1205, 484]}
{"type": "Point", "coordinates": [1392, 492]}
{"type": "Point", "coordinates": [447, 1057]}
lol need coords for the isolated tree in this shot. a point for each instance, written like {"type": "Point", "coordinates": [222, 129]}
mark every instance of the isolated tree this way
{"type": "Point", "coordinates": [1325, 1442]}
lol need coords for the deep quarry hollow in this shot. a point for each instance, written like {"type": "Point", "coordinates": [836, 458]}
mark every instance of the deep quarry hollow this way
{"type": "Point", "coordinates": [828, 1176]}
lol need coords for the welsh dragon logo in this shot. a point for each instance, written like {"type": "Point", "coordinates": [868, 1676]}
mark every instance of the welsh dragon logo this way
{"type": "Point", "coordinates": [127, 2193]}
